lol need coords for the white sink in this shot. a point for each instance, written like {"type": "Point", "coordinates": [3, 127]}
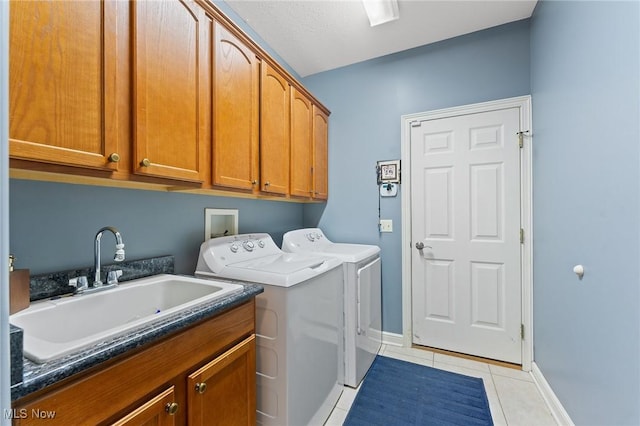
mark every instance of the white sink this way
{"type": "Point", "coordinates": [55, 328]}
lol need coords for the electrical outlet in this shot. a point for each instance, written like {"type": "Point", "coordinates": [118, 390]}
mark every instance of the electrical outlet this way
{"type": "Point", "coordinates": [386, 225]}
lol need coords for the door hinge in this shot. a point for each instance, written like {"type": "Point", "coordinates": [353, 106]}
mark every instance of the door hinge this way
{"type": "Point", "coordinates": [521, 236]}
{"type": "Point", "coordinates": [522, 331]}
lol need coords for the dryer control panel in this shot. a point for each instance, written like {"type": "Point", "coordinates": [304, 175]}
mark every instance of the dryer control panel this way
{"type": "Point", "coordinates": [304, 239]}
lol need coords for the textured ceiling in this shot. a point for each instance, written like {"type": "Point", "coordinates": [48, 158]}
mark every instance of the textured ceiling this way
{"type": "Point", "coordinates": [319, 35]}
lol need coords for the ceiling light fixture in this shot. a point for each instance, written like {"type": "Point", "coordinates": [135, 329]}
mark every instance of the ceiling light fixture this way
{"type": "Point", "coordinates": [381, 11]}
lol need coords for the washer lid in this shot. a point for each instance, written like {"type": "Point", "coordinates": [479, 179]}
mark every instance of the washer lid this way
{"type": "Point", "coordinates": [285, 263]}
{"type": "Point", "coordinates": [282, 270]}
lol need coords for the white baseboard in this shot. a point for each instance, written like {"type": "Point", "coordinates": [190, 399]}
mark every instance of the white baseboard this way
{"type": "Point", "coordinates": [557, 410]}
{"type": "Point", "coordinates": [392, 339]}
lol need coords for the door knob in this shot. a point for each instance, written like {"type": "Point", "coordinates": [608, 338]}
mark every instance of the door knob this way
{"type": "Point", "coordinates": [420, 245]}
{"type": "Point", "coordinates": [145, 162]}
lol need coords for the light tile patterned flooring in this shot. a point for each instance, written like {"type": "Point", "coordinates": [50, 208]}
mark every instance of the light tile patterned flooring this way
{"type": "Point", "coordinates": [513, 396]}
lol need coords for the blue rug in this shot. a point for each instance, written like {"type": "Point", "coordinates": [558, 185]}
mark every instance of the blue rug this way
{"type": "Point", "coordinates": [396, 392]}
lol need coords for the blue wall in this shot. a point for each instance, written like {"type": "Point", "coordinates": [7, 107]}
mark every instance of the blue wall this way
{"type": "Point", "coordinates": [585, 78]}
{"type": "Point", "coordinates": [53, 225]}
{"type": "Point", "coordinates": [366, 101]}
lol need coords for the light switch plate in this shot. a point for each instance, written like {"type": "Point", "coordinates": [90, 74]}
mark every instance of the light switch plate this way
{"type": "Point", "coordinates": [386, 225]}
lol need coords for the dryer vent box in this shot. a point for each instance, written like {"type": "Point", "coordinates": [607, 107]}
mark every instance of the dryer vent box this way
{"type": "Point", "coordinates": [220, 223]}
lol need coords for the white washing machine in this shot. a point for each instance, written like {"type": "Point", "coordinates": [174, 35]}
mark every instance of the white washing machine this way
{"type": "Point", "coordinates": [299, 334]}
{"type": "Point", "coordinates": [363, 295]}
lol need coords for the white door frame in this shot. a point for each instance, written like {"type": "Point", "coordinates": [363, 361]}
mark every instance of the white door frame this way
{"type": "Point", "coordinates": [524, 103]}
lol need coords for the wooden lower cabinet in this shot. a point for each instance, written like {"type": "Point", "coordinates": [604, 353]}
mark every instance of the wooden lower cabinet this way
{"type": "Point", "coordinates": [160, 410]}
{"type": "Point", "coordinates": [223, 391]}
{"type": "Point", "coordinates": [204, 375]}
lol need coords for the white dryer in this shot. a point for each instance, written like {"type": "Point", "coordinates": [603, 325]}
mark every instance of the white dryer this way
{"type": "Point", "coordinates": [299, 334]}
{"type": "Point", "coordinates": [363, 295]}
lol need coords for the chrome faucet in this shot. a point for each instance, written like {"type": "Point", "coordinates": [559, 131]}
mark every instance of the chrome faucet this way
{"type": "Point", "coordinates": [119, 256]}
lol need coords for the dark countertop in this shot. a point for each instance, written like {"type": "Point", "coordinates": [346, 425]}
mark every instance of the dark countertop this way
{"type": "Point", "coordinates": [37, 376]}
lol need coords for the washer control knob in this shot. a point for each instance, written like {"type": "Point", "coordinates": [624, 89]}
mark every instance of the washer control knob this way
{"type": "Point", "coordinates": [310, 236]}
{"type": "Point", "coordinates": [260, 243]}
{"type": "Point", "coordinates": [234, 248]}
{"type": "Point", "coordinates": [317, 235]}
{"type": "Point", "coordinates": [248, 245]}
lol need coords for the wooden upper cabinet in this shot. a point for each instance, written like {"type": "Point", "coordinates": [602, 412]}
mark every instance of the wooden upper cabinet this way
{"type": "Point", "coordinates": [171, 59]}
{"type": "Point", "coordinates": [320, 154]}
{"type": "Point", "coordinates": [62, 82]}
{"type": "Point", "coordinates": [235, 112]}
{"type": "Point", "coordinates": [274, 131]}
{"type": "Point", "coordinates": [301, 155]}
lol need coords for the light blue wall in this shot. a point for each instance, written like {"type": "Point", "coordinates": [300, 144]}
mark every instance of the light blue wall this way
{"type": "Point", "coordinates": [53, 225]}
{"type": "Point", "coordinates": [366, 101]}
{"type": "Point", "coordinates": [585, 77]}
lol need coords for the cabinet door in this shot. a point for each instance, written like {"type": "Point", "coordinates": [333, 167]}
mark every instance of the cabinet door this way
{"type": "Point", "coordinates": [171, 62]}
{"type": "Point", "coordinates": [300, 144]}
{"type": "Point", "coordinates": [274, 131]}
{"type": "Point", "coordinates": [158, 411]}
{"type": "Point", "coordinates": [223, 392]}
{"type": "Point", "coordinates": [320, 154]}
{"type": "Point", "coordinates": [235, 112]}
{"type": "Point", "coordinates": [62, 82]}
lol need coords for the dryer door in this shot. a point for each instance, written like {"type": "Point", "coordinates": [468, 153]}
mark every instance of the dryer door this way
{"type": "Point", "coordinates": [369, 316]}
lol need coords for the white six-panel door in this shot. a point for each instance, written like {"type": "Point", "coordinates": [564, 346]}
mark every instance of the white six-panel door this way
{"type": "Point", "coordinates": [465, 211]}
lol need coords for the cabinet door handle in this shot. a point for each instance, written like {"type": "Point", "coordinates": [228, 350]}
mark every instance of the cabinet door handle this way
{"type": "Point", "coordinates": [267, 183]}
{"type": "Point", "coordinates": [254, 182]}
{"type": "Point", "coordinates": [201, 387]}
{"type": "Point", "coordinates": [114, 158]}
{"type": "Point", "coordinates": [171, 408]}
{"type": "Point", "coordinates": [145, 162]}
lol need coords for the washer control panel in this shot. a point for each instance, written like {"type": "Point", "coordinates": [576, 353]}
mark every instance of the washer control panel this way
{"type": "Point", "coordinates": [240, 247]}
{"type": "Point", "coordinates": [217, 253]}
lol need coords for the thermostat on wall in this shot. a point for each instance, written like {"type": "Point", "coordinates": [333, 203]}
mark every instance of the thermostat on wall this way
{"type": "Point", "coordinates": [388, 189]}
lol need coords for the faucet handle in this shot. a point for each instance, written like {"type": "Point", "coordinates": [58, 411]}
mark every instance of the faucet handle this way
{"type": "Point", "coordinates": [80, 283]}
{"type": "Point", "coordinates": [112, 276]}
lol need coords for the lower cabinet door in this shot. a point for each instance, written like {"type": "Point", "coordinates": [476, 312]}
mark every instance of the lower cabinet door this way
{"type": "Point", "coordinates": [159, 410]}
{"type": "Point", "coordinates": [223, 392]}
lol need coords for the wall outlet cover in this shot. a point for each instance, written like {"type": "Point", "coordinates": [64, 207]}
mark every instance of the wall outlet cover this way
{"type": "Point", "coordinates": [386, 225]}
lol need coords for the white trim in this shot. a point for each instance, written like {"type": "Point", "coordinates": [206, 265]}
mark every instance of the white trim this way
{"type": "Point", "coordinates": [524, 103]}
{"type": "Point", "coordinates": [392, 339]}
{"type": "Point", "coordinates": [557, 410]}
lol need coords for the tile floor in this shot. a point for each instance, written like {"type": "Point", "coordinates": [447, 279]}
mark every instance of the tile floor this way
{"type": "Point", "coordinates": [513, 396]}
